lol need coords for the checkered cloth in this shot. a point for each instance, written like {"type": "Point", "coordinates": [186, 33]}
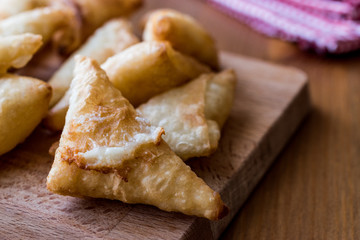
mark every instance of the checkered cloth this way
{"type": "Point", "coordinates": [326, 26]}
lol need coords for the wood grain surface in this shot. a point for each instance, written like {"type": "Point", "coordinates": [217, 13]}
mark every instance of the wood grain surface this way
{"type": "Point", "coordinates": [312, 189]}
{"type": "Point", "coordinates": [270, 103]}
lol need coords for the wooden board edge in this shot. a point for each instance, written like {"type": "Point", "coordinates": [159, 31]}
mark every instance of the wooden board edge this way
{"type": "Point", "coordinates": [199, 229]}
{"type": "Point", "coordinates": [293, 116]}
{"type": "Point", "coordinates": [283, 129]}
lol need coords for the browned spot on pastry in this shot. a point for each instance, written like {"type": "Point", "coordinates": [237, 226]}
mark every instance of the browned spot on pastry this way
{"type": "Point", "coordinates": [223, 212]}
{"type": "Point", "coordinates": [53, 148]}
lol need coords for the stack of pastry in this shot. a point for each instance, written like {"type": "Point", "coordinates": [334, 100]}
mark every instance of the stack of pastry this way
{"type": "Point", "coordinates": [26, 25]}
{"type": "Point", "coordinates": [131, 111]}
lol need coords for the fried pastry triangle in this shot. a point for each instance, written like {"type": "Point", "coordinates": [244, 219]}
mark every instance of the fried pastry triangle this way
{"type": "Point", "coordinates": [45, 22]}
{"type": "Point", "coordinates": [108, 151]}
{"type": "Point", "coordinates": [16, 51]}
{"type": "Point", "coordinates": [184, 33]}
{"type": "Point", "coordinates": [115, 36]}
{"type": "Point", "coordinates": [24, 101]}
{"type": "Point", "coordinates": [155, 66]}
{"type": "Point", "coordinates": [192, 115]}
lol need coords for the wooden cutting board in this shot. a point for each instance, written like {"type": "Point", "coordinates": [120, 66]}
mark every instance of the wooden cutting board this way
{"type": "Point", "coordinates": [270, 103]}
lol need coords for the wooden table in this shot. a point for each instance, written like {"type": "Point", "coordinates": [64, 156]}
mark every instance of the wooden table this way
{"type": "Point", "coordinates": [312, 189]}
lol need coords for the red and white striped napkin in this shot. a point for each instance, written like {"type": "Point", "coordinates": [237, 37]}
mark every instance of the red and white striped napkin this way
{"type": "Point", "coordinates": [326, 26]}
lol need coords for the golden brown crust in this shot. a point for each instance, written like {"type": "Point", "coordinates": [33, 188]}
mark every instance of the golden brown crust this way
{"type": "Point", "coordinates": [219, 96]}
{"type": "Point", "coordinates": [23, 102]}
{"type": "Point", "coordinates": [183, 32]}
{"type": "Point", "coordinates": [108, 151]}
{"type": "Point", "coordinates": [155, 66]}
{"type": "Point", "coordinates": [45, 22]}
{"type": "Point", "coordinates": [55, 118]}
{"type": "Point", "coordinates": [53, 148]}
{"type": "Point", "coordinates": [193, 114]}
{"type": "Point", "coordinates": [112, 38]}
{"type": "Point", "coordinates": [16, 51]}
{"type": "Point", "coordinates": [102, 112]}
{"type": "Point", "coordinates": [165, 182]}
